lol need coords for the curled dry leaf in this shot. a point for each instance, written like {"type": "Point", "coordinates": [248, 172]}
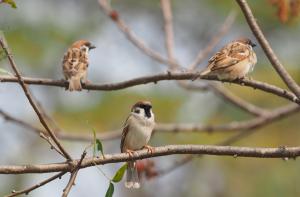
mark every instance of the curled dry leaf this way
{"type": "Point", "coordinates": [286, 9]}
{"type": "Point", "coordinates": [147, 168]}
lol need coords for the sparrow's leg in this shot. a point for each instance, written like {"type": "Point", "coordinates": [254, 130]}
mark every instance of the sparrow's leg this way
{"type": "Point", "coordinates": [129, 152]}
{"type": "Point", "coordinates": [84, 78]}
{"type": "Point", "coordinates": [248, 77]}
{"type": "Point", "coordinates": [86, 82]}
{"type": "Point", "coordinates": [150, 149]}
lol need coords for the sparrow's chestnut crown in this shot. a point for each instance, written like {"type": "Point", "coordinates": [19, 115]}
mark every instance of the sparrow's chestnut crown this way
{"type": "Point", "coordinates": [78, 44]}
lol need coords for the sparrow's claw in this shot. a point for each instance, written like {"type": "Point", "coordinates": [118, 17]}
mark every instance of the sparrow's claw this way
{"type": "Point", "coordinates": [248, 77]}
{"type": "Point", "coordinates": [87, 82]}
{"type": "Point", "coordinates": [129, 152]}
{"type": "Point", "coordinates": [150, 149]}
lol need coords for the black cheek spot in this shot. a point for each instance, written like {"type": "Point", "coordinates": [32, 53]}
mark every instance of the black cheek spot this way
{"type": "Point", "coordinates": [137, 111]}
{"type": "Point", "coordinates": [148, 113]}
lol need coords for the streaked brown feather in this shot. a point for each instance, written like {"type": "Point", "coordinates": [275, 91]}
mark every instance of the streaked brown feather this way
{"type": "Point", "coordinates": [228, 56]}
{"type": "Point", "coordinates": [74, 58]}
{"type": "Point", "coordinates": [124, 134]}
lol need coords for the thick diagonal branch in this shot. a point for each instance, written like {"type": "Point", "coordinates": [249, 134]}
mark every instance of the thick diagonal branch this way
{"type": "Point", "coordinates": [285, 76]}
{"type": "Point", "coordinates": [32, 102]}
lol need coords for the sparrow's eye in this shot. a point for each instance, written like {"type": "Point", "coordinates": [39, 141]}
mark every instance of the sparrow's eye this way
{"type": "Point", "coordinates": [137, 111]}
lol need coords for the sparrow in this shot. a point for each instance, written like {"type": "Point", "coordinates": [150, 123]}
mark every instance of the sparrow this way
{"type": "Point", "coordinates": [75, 64]}
{"type": "Point", "coordinates": [136, 134]}
{"type": "Point", "coordinates": [233, 61]}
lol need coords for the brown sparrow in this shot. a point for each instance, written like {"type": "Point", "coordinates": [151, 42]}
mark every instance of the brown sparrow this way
{"type": "Point", "coordinates": [233, 61]}
{"type": "Point", "coordinates": [75, 63]}
{"type": "Point", "coordinates": [135, 136]}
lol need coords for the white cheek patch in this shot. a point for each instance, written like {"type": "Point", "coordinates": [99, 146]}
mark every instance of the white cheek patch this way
{"type": "Point", "coordinates": [139, 111]}
{"type": "Point", "coordinates": [84, 49]}
{"type": "Point", "coordinates": [244, 53]}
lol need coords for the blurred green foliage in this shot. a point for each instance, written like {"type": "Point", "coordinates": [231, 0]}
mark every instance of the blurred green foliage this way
{"type": "Point", "coordinates": [12, 3]}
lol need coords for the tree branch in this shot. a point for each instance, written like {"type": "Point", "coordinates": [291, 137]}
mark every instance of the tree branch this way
{"type": "Point", "coordinates": [169, 33]}
{"type": "Point", "coordinates": [281, 152]}
{"type": "Point", "coordinates": [52, 144]}
{"type": "Point", "coordinates": [108, 135]}
{"type": "Point", "coordinates": [27, 191]}
{"type": "Point", "coordinates": [242, 134]}
{"type": "Point", "coordinates": [31, 100]}
{"type": "Point", "coordinates": [237, 101]}
{"type": "Point", "coordinates": [254, 123]}
{"type": "Point", "coordinates": [73, 176]}
{"type": "Point", "coordinates": [156, 78]}
{"type": "Point", "coordinates": [227, 96]}
{"type": "Point", "coordinates": [289, 81]}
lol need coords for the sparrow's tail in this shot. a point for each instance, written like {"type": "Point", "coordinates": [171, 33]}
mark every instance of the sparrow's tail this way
{"type": "Point", "coordinates": [205, 72]}
{"type": "Point", "coordinates": [132, 178]}
{"type": "Point", "coordinates": [75, 84]}
{"type": "Point", "coordinates": [202, 73]}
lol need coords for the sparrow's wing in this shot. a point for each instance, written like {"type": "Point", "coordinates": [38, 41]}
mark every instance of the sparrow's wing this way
{"type": "Point", "coordinates": [71, 61]}
{"type": "Point", "coordinates": [229, 56]}
{"type": "Point", "coordinates": [124, 133]}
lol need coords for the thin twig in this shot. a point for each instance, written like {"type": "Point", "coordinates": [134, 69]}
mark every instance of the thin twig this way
{"type": "Point", "coordinates": [169, 33]}
{"type": "Point", "coordinates": [51, 143]}
{"type": "Point", "coordinates": [268, 118]}
{"type": "Point", "coordinates": [73, 176]}
{"type": "Point", "coordinates": [285, 76]}
{"type": "Point", "coordinates": [237, 101]}
{"type": "Point", "coordinates": [214, 40]}
{"type": "Point", "coordinates": [130, 35]}
{"type": "Point", "coordinates": [108, 135]}
{"type": "Point", "coordinates": [281, 112]}
{"type": "Point", "coordinates": [227, 96]}
{"type": "Point", "coordinates": [28, 190]}
{"type": "Point", "coordinates": [32, 102]}
{"type": "Point", "coordinates": [251, 124]}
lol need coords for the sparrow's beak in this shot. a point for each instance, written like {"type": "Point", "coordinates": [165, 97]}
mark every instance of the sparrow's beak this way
{"type": "Point", "coordinates": [92, 47]}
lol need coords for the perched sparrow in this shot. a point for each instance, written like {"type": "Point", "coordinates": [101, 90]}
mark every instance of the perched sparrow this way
{"type": "Point", "coordinates": [75, 63]}
{"type": "Point", "coordinates": [136, 135]}
{"type": "Point", "coordinates": [233, 61]}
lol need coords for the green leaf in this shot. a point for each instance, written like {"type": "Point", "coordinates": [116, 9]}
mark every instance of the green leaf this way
{"type": "Point", "coordinates": [119, 174]}
{"type": "Point", "coordinates": [5, 72]}
{"type": "Point", "coordinates": [99, 146]}
{"type": "Point", "coordinates": [110, 190]}
{"type": "Point", "coordinates": [12, 3]}
{"type": "Point", "coordinates": [94, 143]}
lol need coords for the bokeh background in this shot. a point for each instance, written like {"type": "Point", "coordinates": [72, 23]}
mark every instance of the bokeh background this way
{"type": "Point", "coordinates": [39, 32]}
